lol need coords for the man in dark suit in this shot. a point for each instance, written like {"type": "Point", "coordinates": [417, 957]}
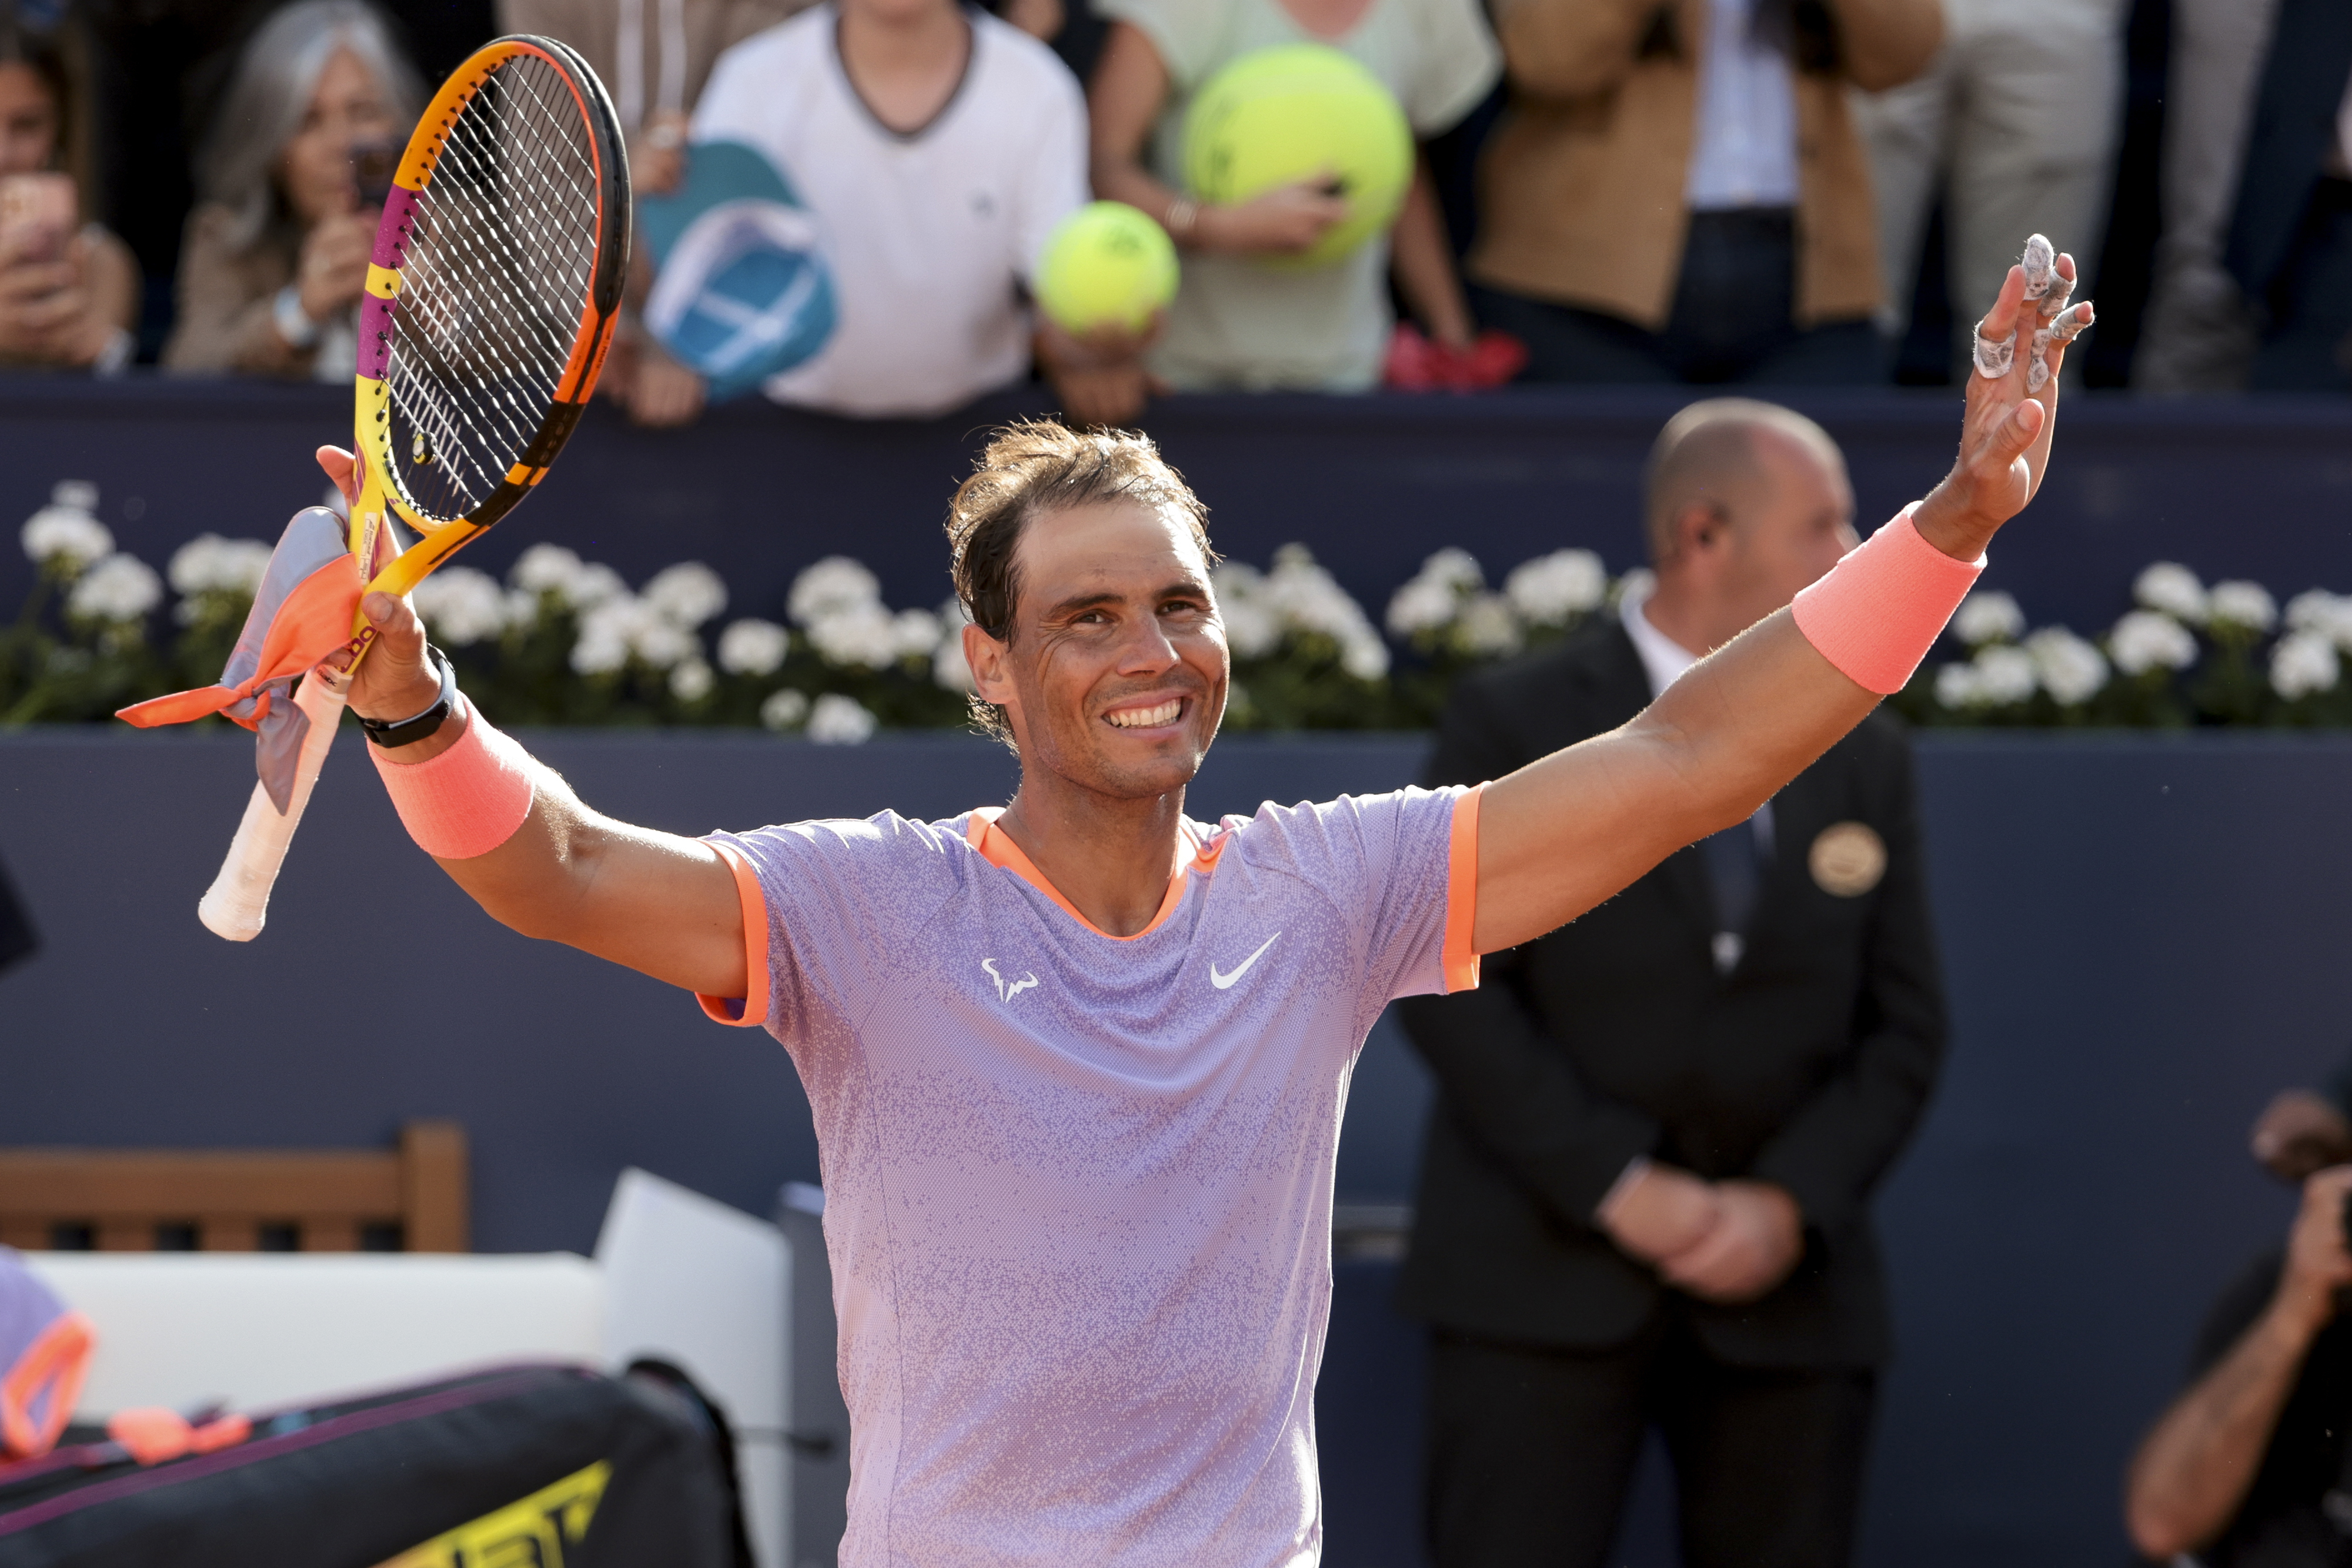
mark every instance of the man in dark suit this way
{"type": "Point", "coordinates": [1645, 1196]}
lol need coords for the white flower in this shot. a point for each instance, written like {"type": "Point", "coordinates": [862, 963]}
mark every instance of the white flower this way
{"type": "Point", "coordinates": [522, 607]}
{"type": "Point", "coordinates": [2173, 589]}
{"type": "Point", "coordinates": [863, 634]}
{"type": "Point", "coordinates": [2005, 675]}
{"type": "Point", "coordinates": [119, 588]}
{"type": "Point", "coordinates": [751, 647]}
{"type": "Point", "coordinates": [1637, 586]}
{"type": "Point", "coordinates": [608, 635]}
{"type": "Point", "coordinates": [1364, 655]}
{"type": "Point", "coordinates": [691, 680]}
{"type": "Point", "coordinates": [1488, 628]}
{"type": "Point", "coordinates": [211, 564]}
{"type": "Point", "coordinates": [837, 720]}
{"type": "Point", "coordinates": [1956, 686]}
{"type": "Point", "coordinates": [462, 606]}
{"type": "Point", "coordinates": [2145, 639]}
{"type": "Point", "coordinates": [1423, 604]}
{"type": "Point", "coordinates": [1552, 588]}
{"type": "Point", "coordinates": [1430, 598]}
{"type": "Point", "coordinates": [594, 584]}
{"type": "Point", "coordinates": [1305, 597]}
{"type": "Point", "coordinates": [2071, 670]}
{"type": "Point", "coordinates": [663, 644]}
{"type": "Point", "coordinates": [65, 528]}
{"type": "Point", "coordinates": [686, 594]}
{"type": "Point", "coordinates": [2243, 604]}
{"type": "Point", "coordinates": [545, 568]}
{"type": "Point", "coordinates": [2317, 610]}
{"type": "Point", "coordinates": [785, 709]}
{"type": "Point", "coordinates": [2303, 663]}
{"type": "Point", "coordinates": [1988, 617]}
{"type": "Point", "coordinates": [1252, 629]}
{"type": "Point", "coordinates": [917, 633]}
{"type": "Point", "coordinates": [949, 670]}
{"type": "Point", "coordinates": [833, 584]}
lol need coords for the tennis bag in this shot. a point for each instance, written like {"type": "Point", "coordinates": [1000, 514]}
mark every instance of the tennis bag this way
{"type": "Point", "coordinates": [556, 1466]}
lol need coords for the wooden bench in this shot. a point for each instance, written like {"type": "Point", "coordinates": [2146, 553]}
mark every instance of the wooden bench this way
{"type": "Point", "coordinates": [410, 1199]}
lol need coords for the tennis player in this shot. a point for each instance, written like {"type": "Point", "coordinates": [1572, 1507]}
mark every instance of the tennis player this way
{"type": "Point", "coordinates": [1078, 1064]}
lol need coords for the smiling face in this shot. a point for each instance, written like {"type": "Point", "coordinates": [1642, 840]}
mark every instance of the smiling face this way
{"type": "Point", "coordinates": [1114, 676]}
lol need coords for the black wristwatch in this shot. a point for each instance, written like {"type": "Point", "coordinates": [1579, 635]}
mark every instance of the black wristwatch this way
{"type": "Point", "coordinates": [406, 731]}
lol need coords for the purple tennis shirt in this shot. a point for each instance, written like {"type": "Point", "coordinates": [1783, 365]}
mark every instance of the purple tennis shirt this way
{"type": "Point", "coordinates": [1078, 1186]}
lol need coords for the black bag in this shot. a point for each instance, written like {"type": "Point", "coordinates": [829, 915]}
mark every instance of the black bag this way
{"type": "Point", "coordinates": [555, 1466]}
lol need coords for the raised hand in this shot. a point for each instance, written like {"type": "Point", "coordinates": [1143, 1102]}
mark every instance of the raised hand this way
{"type": "Point", "coordinates": [2011, 406]}
{"type": "Point", "coordinates": [395, 681]}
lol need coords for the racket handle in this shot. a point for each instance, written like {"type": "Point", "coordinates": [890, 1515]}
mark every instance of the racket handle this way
{"type": "Point", "coordinates": [237, 905]}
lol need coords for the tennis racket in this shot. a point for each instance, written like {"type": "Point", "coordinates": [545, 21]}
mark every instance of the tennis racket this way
{"type": "Point", "coordinates": [492, 298]}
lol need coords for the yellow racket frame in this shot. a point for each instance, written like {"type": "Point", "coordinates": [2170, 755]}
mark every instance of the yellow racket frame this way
{"type": "Point", "coordinates": [380, 489]}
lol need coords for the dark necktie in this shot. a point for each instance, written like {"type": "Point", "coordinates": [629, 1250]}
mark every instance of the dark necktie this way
{"type": "Point", "coordinates": [1736, 869]}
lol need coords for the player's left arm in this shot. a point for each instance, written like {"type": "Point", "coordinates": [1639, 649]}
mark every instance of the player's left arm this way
{"type": "Point", "coordinates": [1571, 830]}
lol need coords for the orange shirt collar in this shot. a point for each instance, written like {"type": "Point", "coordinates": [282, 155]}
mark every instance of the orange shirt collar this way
{"type": "Point", "coordinates": [998, 849]}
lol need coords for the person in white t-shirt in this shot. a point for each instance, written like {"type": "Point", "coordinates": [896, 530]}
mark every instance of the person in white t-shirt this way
{"type": "Point", "coordinates": [937, 147]}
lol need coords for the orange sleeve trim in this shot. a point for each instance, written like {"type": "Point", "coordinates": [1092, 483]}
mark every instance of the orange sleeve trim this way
{"type": "Point", "coordinates": [1461, 957]}
{"type": "Point", "coordinates": [49, 1372]}
{"type": "Point", "coordinates": [996, 847]}
{"type": "Point", "coordinates": [748, 1011]}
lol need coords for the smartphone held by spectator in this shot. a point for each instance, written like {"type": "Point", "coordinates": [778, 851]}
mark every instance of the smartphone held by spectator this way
{"type": "Point", "coordinates": [68, 289]}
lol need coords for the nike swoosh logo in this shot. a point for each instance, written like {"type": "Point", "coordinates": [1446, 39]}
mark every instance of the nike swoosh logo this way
{"type": "Point", "coordinates": [1226, 982]}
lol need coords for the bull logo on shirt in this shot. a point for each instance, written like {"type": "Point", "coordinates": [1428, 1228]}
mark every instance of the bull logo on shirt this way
{"type": "Point", "coordinates": [1007, 989]}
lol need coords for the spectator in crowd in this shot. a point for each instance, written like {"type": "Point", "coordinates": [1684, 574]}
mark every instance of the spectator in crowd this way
{"type": "Point", "coordinates": [2198, 335]}
{"type": "Point", "coordinates": [2016, 120]}
{"type": "Point", "coordinates": [68, 289]}
{"type": "Point", "coordinates": [2248, 1468]}
{"type": "Point", "coordinates": [1234, 323]}
{"type": "Point", "coordinates": [938, 149]}
{"type": "Point", "coordinates": [1678, 191]}
{"type": "Point", "coordinates": [654, 55]}
{"type": "Point", "coordinates": [1645, 1196]}
{"type": "Point", "coordinates": [2290, 245]}
{"type": "Point", "coordinates": [277, 252]}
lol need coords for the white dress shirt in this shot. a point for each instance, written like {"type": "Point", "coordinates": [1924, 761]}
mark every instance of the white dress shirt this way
{"type": "Point", "coordinates": [1744, 153]}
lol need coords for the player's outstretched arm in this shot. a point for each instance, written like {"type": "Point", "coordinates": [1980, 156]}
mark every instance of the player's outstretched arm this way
{"type": "Point", "coordinates": [1567, 831]}
{"type": "Point", "coordinates": [659, 903]}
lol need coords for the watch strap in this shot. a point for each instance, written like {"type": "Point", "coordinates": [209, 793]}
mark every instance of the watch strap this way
{"type": "Point", "coordinates": [407, 731]}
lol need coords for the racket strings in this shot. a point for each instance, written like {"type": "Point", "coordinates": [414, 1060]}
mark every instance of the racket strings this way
{"type": "Point", "coordinates": [498, 264]}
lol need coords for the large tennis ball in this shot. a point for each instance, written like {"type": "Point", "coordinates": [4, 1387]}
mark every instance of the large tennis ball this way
{"type": "Point", "coordinates": [1301, 111]}
{"type": "Point", "coordinates": [1107, 264]}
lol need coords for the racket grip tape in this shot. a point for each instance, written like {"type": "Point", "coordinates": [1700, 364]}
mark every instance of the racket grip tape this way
{"type": "Point", "coordinates": [237, 905]}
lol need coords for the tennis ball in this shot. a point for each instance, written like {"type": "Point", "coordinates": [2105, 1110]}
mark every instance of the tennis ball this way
{"type": "Point", "coordinates": [1301, 111]}
{"type": "Point", "coordinates": [1107, 264]}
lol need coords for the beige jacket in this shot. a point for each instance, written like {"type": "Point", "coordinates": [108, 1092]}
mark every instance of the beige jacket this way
{"type": "Point", "coordinates": [226, 296]}
{"type": "Point", "coordinates": [709, 29]}
{"type": "Point", "coordinates": [1583, 183]}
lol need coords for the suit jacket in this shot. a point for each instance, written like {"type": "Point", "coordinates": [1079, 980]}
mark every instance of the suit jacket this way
{"type": "Point", "coordinates": [1808, 1066]}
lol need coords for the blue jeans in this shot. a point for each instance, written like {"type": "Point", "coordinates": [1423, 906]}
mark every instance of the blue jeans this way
{"type": "Point", "coordinates": [1730, 322]}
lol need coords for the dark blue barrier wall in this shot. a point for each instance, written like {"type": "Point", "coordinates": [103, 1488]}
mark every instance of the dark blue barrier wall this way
{"type": "Point", "coordinates": [2248, 487]}
{"type": "Point", "coordinates": [2144, 939]}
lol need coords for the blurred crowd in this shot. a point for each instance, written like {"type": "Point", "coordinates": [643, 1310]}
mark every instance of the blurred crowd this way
{"type": "Point", "coordinates": [1758, 191]}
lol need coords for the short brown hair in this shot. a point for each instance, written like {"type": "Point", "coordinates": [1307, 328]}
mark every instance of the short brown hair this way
{"type": "Point", "coordinates": [1034, 466]}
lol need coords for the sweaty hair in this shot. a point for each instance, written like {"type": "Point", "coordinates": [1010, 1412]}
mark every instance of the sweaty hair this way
{"type": "Point", "coordinates": [1709, 451]}
{"type": "Point", "coordinates": [1039, 465]}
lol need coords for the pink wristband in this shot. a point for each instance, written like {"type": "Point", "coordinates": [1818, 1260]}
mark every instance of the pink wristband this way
{"type": "Point", "coordinates": [1879, 610]}
{"type": "Point", "coordinates": [466, 801]}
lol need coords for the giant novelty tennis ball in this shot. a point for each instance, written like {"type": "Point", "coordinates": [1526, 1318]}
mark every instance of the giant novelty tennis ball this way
{"type": "Point", "coordinates": [1107, 264]}
{"type": "Point", "coordinates": [1301, 111]}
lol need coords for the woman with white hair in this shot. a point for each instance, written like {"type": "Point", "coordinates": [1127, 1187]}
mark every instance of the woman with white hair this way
{"type": "Point", "coordinates": [293, 183]}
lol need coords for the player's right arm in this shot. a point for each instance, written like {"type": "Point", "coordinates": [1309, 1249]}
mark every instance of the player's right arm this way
{"type": "Point", "coordinates": [659, 903]}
